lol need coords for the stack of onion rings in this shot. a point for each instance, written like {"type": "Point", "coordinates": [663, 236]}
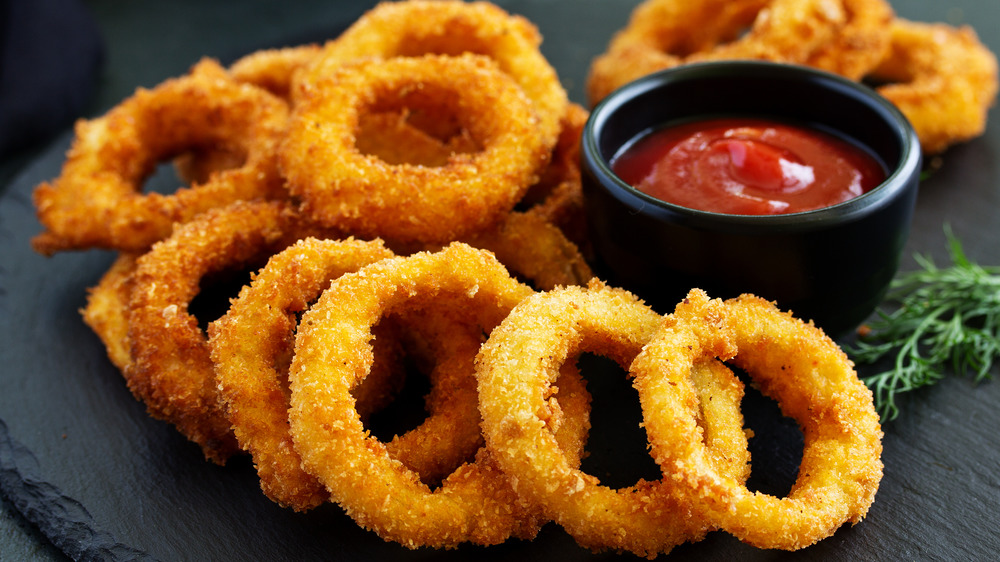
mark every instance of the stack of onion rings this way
{"type": "Point", "coordinates": [224, 127]}
{"type": "Point", "coordinates": [419, 91]}
{"type": "Point", "coordinates": [516, 367]}
{"type": "Point", "coordinates": [474, 504]}
{"type": "Point", "coordinates": [941, 77]}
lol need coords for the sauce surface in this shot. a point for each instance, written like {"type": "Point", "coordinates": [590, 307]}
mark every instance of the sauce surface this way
{"type": "Point", "coordinates": [747, 166]}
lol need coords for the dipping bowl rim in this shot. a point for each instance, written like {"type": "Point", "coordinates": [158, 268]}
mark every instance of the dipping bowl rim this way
{"type": "Point", "coordinates": [895, 183]}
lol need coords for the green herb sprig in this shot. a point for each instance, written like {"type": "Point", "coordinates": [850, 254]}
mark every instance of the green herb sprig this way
{"type": "Point", "coordinates": [945, 317]}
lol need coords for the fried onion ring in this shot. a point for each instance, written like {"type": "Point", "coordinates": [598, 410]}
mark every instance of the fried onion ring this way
{"type": "Point", "coordinates": [475, 503]}
{"type": "Point", "coordinates": [516, 367]}
{"type": "Point", "coordinates": [97, 201]}
{"type": "Point", "coordinates": [415, 28]}
{"type": "Point", "coordinates": [171, 370]}
{"type": "Point", "coordinates": [340, 185]}
{"type": "Point", "coordinates": [942, 78]}
{"type": "Point", "coordinates": [660, 35]}
{"type": "Point", "coordinates": [813, 382]}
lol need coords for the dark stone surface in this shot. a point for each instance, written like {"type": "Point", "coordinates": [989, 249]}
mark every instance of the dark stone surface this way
{"type": "Point", "coordinates": [86, 472]}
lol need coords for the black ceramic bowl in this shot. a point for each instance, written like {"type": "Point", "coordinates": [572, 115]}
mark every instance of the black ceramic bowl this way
{"type": "Point", "coordinates": [831, 265]}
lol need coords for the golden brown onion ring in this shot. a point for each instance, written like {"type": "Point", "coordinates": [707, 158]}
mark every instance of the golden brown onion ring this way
{"type": "Point", "coordinates": [332, 354]}
{"type": "Point", "coordinates": [341, 186]}
{"type": "Point", "coordinates": [97, 200]}
{"type": "Point", "coordinates": [942, 78]}
{"type": "Point", "coordinates": [417, 27]}
{"type": "Point", "coordinates": [813, 382]}
{"type": "Point", "coordinates": [516, 367]}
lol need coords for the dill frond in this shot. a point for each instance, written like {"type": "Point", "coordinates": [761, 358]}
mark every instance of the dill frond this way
{"type": "Point", "coordinates": [945, 318]}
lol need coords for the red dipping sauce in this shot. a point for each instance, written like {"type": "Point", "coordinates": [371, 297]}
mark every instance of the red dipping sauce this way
{"type": "Point", "coordinates": [747, 166]}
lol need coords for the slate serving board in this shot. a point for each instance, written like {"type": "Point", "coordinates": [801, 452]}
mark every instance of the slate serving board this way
{"type": "Point", "coordinates": [81, 460]}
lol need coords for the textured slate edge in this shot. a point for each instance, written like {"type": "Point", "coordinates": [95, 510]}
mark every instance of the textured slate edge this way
{"type": "Point", "coordinates": [62, 519]}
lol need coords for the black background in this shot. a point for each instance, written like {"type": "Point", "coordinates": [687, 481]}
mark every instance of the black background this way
{"type": "Point", "coordinates": [74, 431]}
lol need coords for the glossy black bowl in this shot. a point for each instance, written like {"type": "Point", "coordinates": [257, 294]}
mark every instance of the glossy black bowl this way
{"type": "Point", "coordinates": [831, 265]}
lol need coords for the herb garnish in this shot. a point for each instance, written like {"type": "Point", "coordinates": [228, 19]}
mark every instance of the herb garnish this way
{"type": "Point", "coordinates": [948, 316]}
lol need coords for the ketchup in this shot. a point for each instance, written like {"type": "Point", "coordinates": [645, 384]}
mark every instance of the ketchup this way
{"type": "Point", "coordinates": [747, 166]}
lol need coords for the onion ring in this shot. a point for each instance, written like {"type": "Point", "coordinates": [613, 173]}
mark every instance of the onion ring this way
{"type": "Point", "coordinates": [171, 370]}
{"type": "Point", "coordinates": [660, 35]}
{"type": "Point", "coordinates": [416, 28]}
{"type": "Point", "coordinates": [247, 345]}
{"type": "Point", "coordinates": [475, 503]}
{"type": "Point", "coordinates": [96, 200]}
{"type": "Point", "coordinates": [341, 186]}
{"type": "Point", "coordinates": [942, 78]}
{"type": "Point", "coordinates": [813, 382]}
{"type": "Point", "coordinates": [515, 368]}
